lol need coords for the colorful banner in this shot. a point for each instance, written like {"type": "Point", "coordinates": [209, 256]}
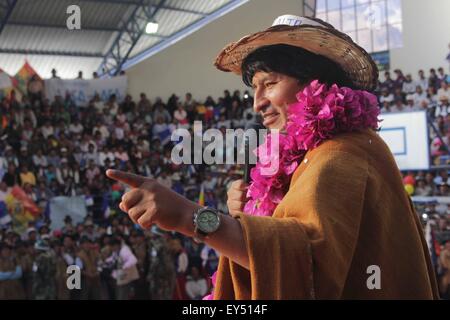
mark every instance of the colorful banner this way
{"type": "Point", "coordinates": [23, 76]}
{"type": "Point", "coordinates": [84, 90]}
{"type": "Point", "coordinates": [7, 84]}
{"type": "Point", "coordinates": [21, 208]}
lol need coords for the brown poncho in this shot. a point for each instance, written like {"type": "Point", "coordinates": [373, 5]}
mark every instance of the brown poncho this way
{"type": "Point", "coordinates": [346, 210]}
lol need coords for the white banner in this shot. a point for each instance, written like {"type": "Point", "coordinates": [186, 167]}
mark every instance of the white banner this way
{"type": "Point", "coordinates": [83, 90]}
{"type": "Point", "coordinates": [75, 207]}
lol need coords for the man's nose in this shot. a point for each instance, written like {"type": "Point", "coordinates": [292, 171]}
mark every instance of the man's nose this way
{"type": "Point", "coordinates": [260, 102]}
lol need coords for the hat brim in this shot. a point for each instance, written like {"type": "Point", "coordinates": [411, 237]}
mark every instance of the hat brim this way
{"type": "Point", "coordinates": [331, 43]}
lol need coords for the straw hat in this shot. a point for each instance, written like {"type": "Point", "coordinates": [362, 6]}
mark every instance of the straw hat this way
{"type": "Point", "coordinates": [311, 34]}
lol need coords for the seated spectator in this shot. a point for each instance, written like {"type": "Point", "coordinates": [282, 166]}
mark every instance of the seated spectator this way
{"type": "Point", "coordinates": [419, 95]}
{"type": "Point", "coordinates": [386, 96]}
{"type": "Point", "coordinates": [104, 154]}
{"type": "Point", "coordinates": [26, 176]}
{"type": "Point", "coordinates": [47, 130]}
{"type": "Point", "coordinates": [160, 112]}
{"type": "Point", "coordinates": [121, 154]}
{"type": "Point", "coordinates": [76, 127]}
{"type": "Point", "coordinates": [400, 79]}
{"type": "Point", "coordinates": [11, 178]}
{"type": "Point", "coordinates": [112, 105]}
{"type": "Point", "coordinates": [412, 104]}
{"type": "Point", "coordinates": [444, 91]}
{"type": "Point", "coordinates": [423, 189]}
{"type": "Point", "coordinates": [92, 154]}
{"type": "Point", "coordinates": [444, 189]}
{"type": "Point", "coordinates": [442, 108]}
{"type": "Point", "coordinates": [161, 131]}
{"type": "Point", "coordinates": [422, 81]}
{"type": "Point", "coordinates": [196, 285]}
{"type": "Point", "coordinates": [409, 86]}
{"type": "Point", "coordinates": [100, 127]}
{"type": "Point", "coordinates": [144, 105]}
{"type": "Point", "coordinates": [165, 179]}
{"type": "Point", "coordinates": [433, 80]}
{"type": "Point", "coordinates": [92, 172]}
{"type": "Point", "coordinates": [397, 107]}
{"type": "Point", "coordinates": [180, 114]}
{"type": "Point", "coordinates": [143, 147]}
{"type": "Point", "coordinates": [442, 76]}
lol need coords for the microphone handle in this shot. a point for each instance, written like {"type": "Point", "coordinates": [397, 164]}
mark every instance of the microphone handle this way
{"type": "Point", "coordinates": [247, 166]}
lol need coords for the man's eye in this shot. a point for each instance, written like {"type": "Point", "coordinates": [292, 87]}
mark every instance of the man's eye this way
{"type": "Point", "coordinates": [269, 84]}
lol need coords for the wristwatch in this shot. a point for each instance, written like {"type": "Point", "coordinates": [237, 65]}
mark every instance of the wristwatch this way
{"type": "Point", "coordinates": [206, 221]}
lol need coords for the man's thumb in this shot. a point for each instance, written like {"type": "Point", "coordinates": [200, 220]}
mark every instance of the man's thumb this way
{"type": "Point", "coordinates": [130, 179]}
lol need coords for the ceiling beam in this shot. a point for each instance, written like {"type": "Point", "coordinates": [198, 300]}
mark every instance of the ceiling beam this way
{"type": "Point", "coordinates": [8, 6]}
{"type": "Point", "coordinates": [52, 53]}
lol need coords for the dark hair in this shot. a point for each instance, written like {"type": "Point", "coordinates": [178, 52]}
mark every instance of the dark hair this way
{"type": "Point", "coordinates": [295, 62]}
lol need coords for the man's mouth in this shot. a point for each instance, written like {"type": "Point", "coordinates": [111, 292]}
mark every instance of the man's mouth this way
{"type": "Point", "coordinates": [270, 118]}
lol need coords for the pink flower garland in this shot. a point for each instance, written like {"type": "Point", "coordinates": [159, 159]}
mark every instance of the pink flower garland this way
{"type": "Point", "coordinates": [319, 114]}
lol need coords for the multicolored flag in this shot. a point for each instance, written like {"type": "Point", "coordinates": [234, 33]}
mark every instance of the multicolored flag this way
{"type": "Point", "coordinates": [23, 76]}
{"type": "Point", "coordinates": [7, 84]}
{"type": "Point", "coordinates": [21, 208]}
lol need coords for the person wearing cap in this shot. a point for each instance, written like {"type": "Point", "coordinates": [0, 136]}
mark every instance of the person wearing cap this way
{"type": "Point", "coordinates": [339, 229]}
{"type": "Point", "coordinates": [442, 108]}
{"type": "Point", "coordinates": [411, 103]}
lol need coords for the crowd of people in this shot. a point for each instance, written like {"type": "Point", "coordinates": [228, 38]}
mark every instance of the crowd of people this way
{"type": "Point", "coordinates": [54, 147]}
{"type": "Point", "coordinates": [430, 93]}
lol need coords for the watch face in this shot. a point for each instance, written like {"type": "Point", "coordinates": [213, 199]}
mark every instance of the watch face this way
{"type": "Point", "coordinates": [208, 221]}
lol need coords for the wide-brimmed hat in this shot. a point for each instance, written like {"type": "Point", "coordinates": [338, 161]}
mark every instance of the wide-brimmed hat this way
{"type": "Point", "coordinates": [311, 34]}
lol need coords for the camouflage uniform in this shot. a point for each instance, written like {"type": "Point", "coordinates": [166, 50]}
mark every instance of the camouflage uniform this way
{"type": "Point", "coordinates": [44, 275]}
{"type": "Point", "coordinates": [161, 274]}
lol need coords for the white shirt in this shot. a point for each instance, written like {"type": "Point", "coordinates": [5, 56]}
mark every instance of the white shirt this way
{"type": "Point", "coordinates": [196, 289]}
{"type": "Point", "coordinates": [441, 92]}
{"type": "Point", "coordinates": [389, 98]}
{"type": "Point", "coordinates": [418, 98]}
{"type": "Point", "coordinates": [76, 128]}
{"type": "Point", "coordinates": [409, 87]}
{"type": "Point", "coordinates": [182, 262]}
{"type": "Point", "coordinates": [47, 131]}
{"type": "Point", "coordinates": [423, 83]}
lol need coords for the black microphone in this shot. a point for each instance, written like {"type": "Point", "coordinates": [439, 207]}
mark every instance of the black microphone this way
{"type": "Point", "coordinates": [255, 125]}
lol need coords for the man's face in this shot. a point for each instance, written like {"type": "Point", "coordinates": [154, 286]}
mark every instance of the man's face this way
{"type": "Point", "coordinates": [67, 242]}
{"type": "Point", "coordinates": [273, 93]}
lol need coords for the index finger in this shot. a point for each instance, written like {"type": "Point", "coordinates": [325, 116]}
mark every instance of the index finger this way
{"type": "Point", "coordinates": [130, 179]}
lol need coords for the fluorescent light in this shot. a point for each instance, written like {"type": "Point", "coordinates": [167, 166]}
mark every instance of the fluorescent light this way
{"type": "Point", "coordinates": [152, 27]}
